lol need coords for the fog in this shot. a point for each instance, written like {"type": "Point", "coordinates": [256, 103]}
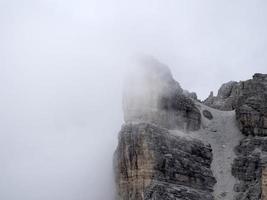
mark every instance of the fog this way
{"type": "Point", "coordinates": [62, 67]}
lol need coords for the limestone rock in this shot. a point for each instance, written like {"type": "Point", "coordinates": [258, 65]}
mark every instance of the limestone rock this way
{"type": "Point", "coordinates": [248, 166]}
{"type": "Point", "coordinates": [251, 115]}
{"type": "Point", "coordinates": [152, 163]}
{"type": "Point", "coordinates": [226, 98]}
{"type": "Point", "coordinates": [249, 98]}
{"type": "Point", "coordinates": [251, 106]}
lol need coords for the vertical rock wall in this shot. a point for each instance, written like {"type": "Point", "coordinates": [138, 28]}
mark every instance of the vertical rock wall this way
{"type": "Point", "coordinates": [150, 162]}
{"type": "Point", "coordinates": [264, 183]}
{"type": "Point", "coordinates": [251, 115]}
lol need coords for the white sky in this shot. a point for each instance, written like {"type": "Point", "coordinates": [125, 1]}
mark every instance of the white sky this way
{"type": "Point", "coordinates": [61, 70]}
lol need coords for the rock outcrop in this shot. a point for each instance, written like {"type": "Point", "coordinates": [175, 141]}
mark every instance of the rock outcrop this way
{"type": "Point", "coordinates": [226, 98]}
{"type": "Point", "coordinates": [251, 106]}
{"type": "Point", "coordinates": [249, 99]}
{"type": "Point", "coordinates": [152, 163]}
{"type": "Point", "coordinates": [156, 158]}
{"type": "Point", "coordinates": [251, 114]}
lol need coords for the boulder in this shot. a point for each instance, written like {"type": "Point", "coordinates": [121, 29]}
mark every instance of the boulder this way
{"type": "Point", "coordinates": [207, 114]}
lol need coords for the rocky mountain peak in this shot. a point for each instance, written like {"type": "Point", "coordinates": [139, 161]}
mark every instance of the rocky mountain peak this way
{"type": "Point", "coordinates": [174, 147]}
{"type": "Point", "coordinates": [260, 77]}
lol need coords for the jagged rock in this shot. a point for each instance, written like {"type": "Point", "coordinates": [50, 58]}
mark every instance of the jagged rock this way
{"type": "Point", "coordinates": [226, 90]}
{"type": "Point", "coordinates": [251, 110]}
{"type": "Point", "coordinates": [152, 95]}
{"type": "Point", "coordinates": [249, 98]}
{"type": "Point", "coordinates": [249, 145]}
{"type": "Point", "coordinates": [209, 101]}
{"type": "Point", "coordinates": [226, 98]}
{"type": "Point", "coordinates": [252, 191]}
{"type": "Point", "coordinates": [207, 114]}
{"type": "Point", "coordinates": [159, 191]}
{"type": "Point", "coordinates": [152, 163]}
{"type": "Point", "coordinates": [249, 166]}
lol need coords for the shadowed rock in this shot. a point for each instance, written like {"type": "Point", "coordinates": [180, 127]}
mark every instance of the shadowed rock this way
{"type": "Point", "coordinates": [150, 162]}
{"type": "Point", "coordinates": [251, 111]}
{"type": "Point", "coordinates": [207, 114]}
{"type": "Point", "coordinates": [250, 166]}
{"type": "Point", "coordinates": [153, 164]}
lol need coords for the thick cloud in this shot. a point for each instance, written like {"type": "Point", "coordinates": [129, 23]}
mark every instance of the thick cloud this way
{"type": "Point", "coordinates": [61, 71]}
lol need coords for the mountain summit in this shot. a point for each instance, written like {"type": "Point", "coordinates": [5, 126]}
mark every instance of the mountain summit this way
{"type": "Point", "coordinates": [174, 147]}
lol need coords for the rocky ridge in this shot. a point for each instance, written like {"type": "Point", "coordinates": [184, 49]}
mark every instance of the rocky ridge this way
{"type": "Point", "coordinates": [249, 99]}
{"type": "Point", "coordinates": [174, 147]}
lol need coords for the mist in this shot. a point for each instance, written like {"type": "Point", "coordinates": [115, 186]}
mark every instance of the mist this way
{"type": "Point", "coordinates": [62, 68]}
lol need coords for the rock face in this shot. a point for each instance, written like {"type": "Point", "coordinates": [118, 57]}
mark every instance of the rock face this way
{"type": "Point", "coordinates": [152, 163]}
{"type": "Point", "coordinates": [252, 106]}
{"type": "Point", "coordinates": [249, 99]}
{"type": "Point", "coordinates": [247, 167]}
{"type": "Point", "coordinates": [153, 96]}
{"type": "Point", "coordinates": [251, 114]}
{"type": "Point", "coordinates": [226, 98]}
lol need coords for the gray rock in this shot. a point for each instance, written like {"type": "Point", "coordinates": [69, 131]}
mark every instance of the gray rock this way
{"type": "Point", "coordinates": [251, 114]}
{"type": "Point", "coordinates": [151, 163]}
{"type": "Point", "coordinates": [249, 98]}
{"type": "Point", "coordinates": [207, 114]}
{"type": "Point", "coordinates": [248, 167]}
{"type": "Point", "coordinates": [226, 98]}
{"type": "Point", "coordinates": [251, 109]}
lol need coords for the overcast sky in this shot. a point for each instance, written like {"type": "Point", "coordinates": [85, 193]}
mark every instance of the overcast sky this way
{"type": "Point", "coordinates": [62, 65]}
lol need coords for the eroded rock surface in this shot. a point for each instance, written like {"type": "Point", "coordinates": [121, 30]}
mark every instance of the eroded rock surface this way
{"type": "Point", "coordinates": [226, 98]}
{"type": "Point", "coordinates": [251, 115]}
{"type": "Point", "coordinates": [252, 106]}
{"type": "Point", "coordinates": [152, 163]}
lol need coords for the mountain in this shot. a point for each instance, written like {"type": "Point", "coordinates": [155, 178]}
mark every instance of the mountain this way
{"type": "Point", "coordinates": [174, 147]}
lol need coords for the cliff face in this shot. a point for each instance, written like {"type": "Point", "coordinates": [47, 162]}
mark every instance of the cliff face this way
{"type": "Point", "coordinates": [152, 163]}
{"type": "Point", "coordinates": [251, 114]}
{"type": "Point", "coordinates": [174, 147]}
{"type": "Point", "coordinates": [249, 99]}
